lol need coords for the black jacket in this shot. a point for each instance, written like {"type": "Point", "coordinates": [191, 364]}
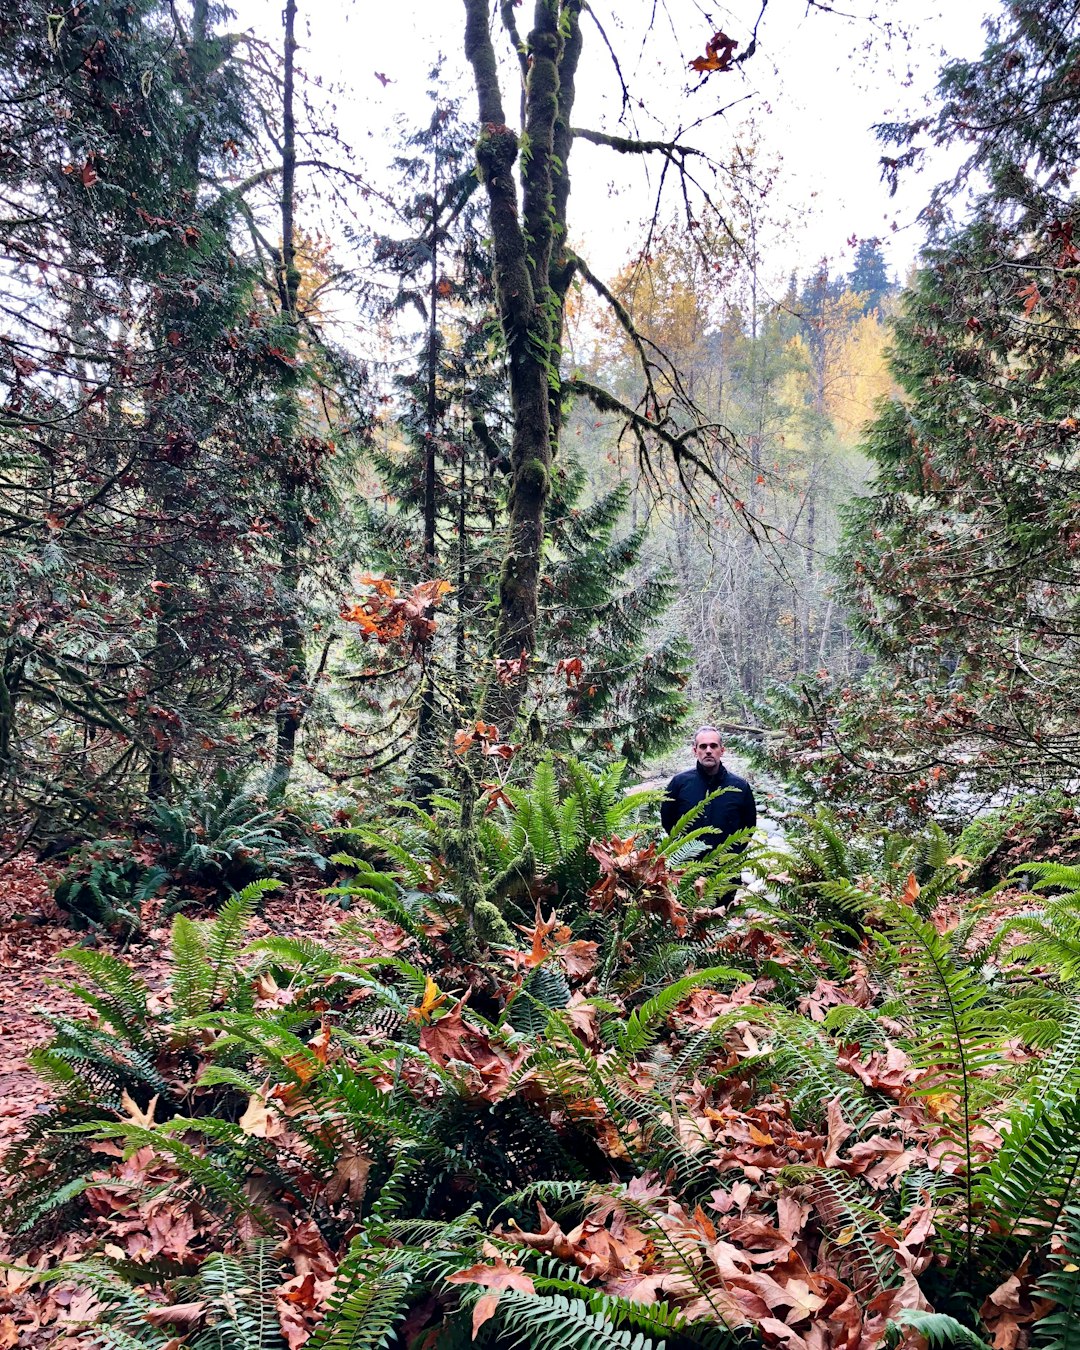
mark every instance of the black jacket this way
{"type": "Point", "coordinates": [733, 809]}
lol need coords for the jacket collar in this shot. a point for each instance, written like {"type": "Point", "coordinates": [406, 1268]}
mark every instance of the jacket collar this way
{"type": "Point", "coordinates": [720, 776]}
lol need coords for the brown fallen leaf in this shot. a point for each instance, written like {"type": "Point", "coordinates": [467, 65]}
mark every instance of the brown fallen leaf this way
{"type": "Point", "coordinates": [350, 1174]}
{"type": "Point", "coordinates": [259, 1121]}
{"type": "Point", "coordinates": [136, 1114]}
{"type": "Point", "coordinates": [185, 1316]}
{"type": "Point", "coordinates": [498, 1276]}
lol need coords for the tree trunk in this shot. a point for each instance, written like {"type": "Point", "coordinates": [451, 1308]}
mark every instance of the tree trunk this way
{"type": "Point", "coordinates": [530, 309]}
{"type": "Point", "coordinates": [424, 776]}
{"type": "Point", "coordinates": [290, 715]}
{"type": "Point", "coordinates": [168, 657]}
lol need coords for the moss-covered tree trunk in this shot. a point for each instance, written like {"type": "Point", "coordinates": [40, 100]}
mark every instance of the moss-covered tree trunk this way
{"type": "Point", "coordinates": [528, 242]}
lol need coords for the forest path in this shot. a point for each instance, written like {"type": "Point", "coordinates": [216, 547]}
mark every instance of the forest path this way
{"type": "Point", "coordinates": [32, 937]}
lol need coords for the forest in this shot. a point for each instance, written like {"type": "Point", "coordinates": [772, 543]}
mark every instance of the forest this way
{"type": "Point", "coordinates": [371, 549]}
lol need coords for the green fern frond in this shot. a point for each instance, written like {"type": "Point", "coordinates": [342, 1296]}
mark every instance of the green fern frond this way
{"type": "Point", "coordinates": [644, 1022]}
{"type": "Point", "coordinates": [1060, 1329]}
{"type": "Point", "coordinates": [367, 1302]}
{"type": "Point", "coordinates": [938, 1328]}
{"type": "Point", "coordinates": [560, 1323]}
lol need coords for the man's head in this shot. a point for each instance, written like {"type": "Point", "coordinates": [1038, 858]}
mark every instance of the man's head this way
{"type": "Point", "coordinates": [708, 748]}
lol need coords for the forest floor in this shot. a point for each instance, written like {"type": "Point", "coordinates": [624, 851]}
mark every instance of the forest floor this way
{"type": "Point", "coordinates": [33, 937]}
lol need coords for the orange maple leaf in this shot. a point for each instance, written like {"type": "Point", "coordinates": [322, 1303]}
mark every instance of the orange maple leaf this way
{"type": "Point", "coordinates": [433, 998]}
{"type": "Point", "coordinates": [498, 1276]}
{"type": "Point", "coordinates": [719, 51]}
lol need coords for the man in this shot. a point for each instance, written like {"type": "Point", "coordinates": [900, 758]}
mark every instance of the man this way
{"type": "Point", "coordinates": [732, 809]}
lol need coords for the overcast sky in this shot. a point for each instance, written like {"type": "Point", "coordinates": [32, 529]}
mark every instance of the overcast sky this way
{"type": "Point", "coordinates": [810, 97]}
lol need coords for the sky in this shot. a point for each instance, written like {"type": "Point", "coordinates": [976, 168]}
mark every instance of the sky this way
{"type": "Point", "coordinates": [808, 100]}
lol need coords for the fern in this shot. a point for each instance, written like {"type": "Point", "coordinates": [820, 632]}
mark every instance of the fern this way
{"type": "Point", "coordinates": [368, 1301]}
{"type": "Point", "coordinates": [938, 1328]}
{"type": "Point", "coordinates": [561, 1323]}
{"type": "Point", "coordinates": [640, 1028]}
{"type": "Point", "coordinates": [1060, 1329]}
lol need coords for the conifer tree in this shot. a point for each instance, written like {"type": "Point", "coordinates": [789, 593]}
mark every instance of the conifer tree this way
{"type": "Point", "coordinates": [869, 277]}
{"type": "Point", "coordinates": [596, 679]}
{"type": "Point", "coordinates": [961, 563]}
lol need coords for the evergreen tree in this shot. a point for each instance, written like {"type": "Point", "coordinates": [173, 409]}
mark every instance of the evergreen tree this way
{"type": "Point", "coordinates": [141, 411]}
{"type": "Point", "coordinates": [869, 277]}
{"type": "Point", "coordinates": [595, 679]}
{"type": "Point", "coordinates": [961, 563]}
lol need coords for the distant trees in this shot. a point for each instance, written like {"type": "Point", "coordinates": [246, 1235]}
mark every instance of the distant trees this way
{"type": "Point", "coordinates": [961, 563]}
{"type": "Point", "coordinates": [869, 276]}
{"type": "Point", "coordinates": [792, 377]}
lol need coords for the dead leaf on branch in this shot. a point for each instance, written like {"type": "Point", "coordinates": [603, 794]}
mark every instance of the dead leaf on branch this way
{"type": "Point", "coordinates": [719, 55]}
{"type": "Point", "coordinates": [389, 617]}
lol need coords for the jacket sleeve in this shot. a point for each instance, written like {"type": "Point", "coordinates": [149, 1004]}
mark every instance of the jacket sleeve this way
{"type": "Point", "coordinates": [670, 810]}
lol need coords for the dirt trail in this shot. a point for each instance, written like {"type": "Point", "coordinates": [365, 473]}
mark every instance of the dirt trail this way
{"type": "Point", "coordinates": [31, 938]}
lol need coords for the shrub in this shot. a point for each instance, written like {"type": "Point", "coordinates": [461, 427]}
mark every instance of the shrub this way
{"type": "Point", "coordinates": [104, 885]}
{"type": "Point", "coordinates": [218, 840]}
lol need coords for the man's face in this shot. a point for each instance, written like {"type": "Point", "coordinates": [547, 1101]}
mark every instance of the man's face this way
{"type": "Point", "coordinates": [707, 751]}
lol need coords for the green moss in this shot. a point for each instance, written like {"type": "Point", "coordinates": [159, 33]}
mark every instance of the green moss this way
{"type": "Point", "coordinates": [490, 925]}
{"type": "Point", "coordinates": [496, 149]}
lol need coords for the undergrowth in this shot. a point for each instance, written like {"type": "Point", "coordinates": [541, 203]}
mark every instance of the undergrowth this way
{"type": "Point", "coordinates": [579, 1091]}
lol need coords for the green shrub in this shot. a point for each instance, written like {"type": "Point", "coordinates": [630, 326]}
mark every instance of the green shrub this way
{"type": "Point", "coordinates": [104, 886]}
{"type": "Point", "coordinates": [218, 840]}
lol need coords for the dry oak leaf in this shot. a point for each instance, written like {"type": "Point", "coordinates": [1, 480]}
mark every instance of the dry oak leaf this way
{"type": "Point", "coordinates": [498, 1276]}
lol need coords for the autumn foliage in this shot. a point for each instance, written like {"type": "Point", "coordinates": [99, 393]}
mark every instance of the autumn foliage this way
{"type": "Point", "coordinates": [646, 1108]}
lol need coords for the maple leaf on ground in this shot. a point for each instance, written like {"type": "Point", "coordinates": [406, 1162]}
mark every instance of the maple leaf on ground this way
{"type": "Point", "coordinates": [260, 1121]}
{"type": "Point", "coordinates": [497, 1276]}
{"type": "Point", "coordinates": [890, 1071]}
{"type": "Point", "coordinates": [540, 950]}
{"type": "Point", "coordinates": [350, 1174]}
{"type": "Point", "coordinates": [451, 1039]}
{"type": "Point", "coordinates": [306, 1248]}
{"type": "Point", "coordinates": [432, 1000]}
{"type": "Point", "coordinates": [1011, 1307]}
{"type": "Point", "coordinates": [183, 1316]}
{"type": "Point", "coordinates": [300, 1304]}
{"type": "Point", "coordinates": [136, 1114]}
{"type": "Point", "coordinates": [637, 874]}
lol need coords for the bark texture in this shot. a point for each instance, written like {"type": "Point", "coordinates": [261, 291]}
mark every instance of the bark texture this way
{"type": "Point", "coordinates": [531, 279]}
